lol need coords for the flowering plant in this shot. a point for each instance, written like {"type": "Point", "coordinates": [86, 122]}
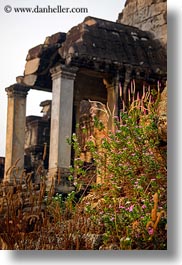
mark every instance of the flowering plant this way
{"type": "Point", "coordinates": [131, 168]}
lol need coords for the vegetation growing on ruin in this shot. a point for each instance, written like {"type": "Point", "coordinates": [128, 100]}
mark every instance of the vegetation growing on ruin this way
{"type": "Point", "coordinates": [125, 209]}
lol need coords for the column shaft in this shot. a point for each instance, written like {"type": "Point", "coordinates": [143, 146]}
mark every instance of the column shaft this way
{"type": "Point", "coordinates": [15, 133]}
{"type": "Point", "coordinates": [112, 101]}
{"type": "Point", "coordinates": [61, 119]}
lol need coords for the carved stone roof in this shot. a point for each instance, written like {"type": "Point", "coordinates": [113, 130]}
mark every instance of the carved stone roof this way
{"type": "Point", "coordinates": [95, 44]}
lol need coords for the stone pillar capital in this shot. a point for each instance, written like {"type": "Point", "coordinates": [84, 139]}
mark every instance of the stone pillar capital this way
{"type": "Point", "coordinates": [17, 90]}
{"type": "Point", "coordinates": [111, 81]}
{"type": "Point", "coordinates": [66, 72]}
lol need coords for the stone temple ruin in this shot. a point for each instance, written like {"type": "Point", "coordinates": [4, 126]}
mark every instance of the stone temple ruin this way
{"type": "Point", "coordinates": [89, 64]}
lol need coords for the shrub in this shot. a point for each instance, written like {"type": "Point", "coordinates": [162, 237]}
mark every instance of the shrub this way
{"type": "Point", "coordinates": [130, 169]}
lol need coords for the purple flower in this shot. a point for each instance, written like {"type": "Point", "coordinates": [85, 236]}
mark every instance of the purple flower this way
{"type": "Point", "coordinates": [144, 206]}
{"type": "Point", "coordinates": [121, 207]}
{"type": "Point", "coordinates": [131, 208]}
{"type": "Point", "coordinates": [150, 231]}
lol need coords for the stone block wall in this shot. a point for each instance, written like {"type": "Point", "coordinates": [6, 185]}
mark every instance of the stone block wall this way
{"type": "Point", "coordinates": [147, 15]}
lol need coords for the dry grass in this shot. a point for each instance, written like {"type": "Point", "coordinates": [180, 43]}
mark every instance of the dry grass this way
{"type": "Point", "coordinates": [33, 219]}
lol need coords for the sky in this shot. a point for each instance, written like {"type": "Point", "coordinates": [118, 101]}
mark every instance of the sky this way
{"type": "Point", "coordinates": [21, 31]}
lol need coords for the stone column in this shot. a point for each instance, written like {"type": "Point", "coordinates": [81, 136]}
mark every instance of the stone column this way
{"type": "Point", "coordinates": [61, 120]}
{"type": "Point", "coordinates": [126, 83]}
{"type": "Point", "coordinates": [112, 101]}
{"type": "Point", "coordinates": [15, 133]}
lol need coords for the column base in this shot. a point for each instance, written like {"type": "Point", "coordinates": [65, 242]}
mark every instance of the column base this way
{"type": "Point", "coordinates": [57, 180]}
{"type": "Point", "coordinates": [13, 175]}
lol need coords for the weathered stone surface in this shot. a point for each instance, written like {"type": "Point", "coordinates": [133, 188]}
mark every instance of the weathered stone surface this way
{"type": "Point", "coordinates": [61, 119]}
{"type": "Point", "coordinates": [40, 60]}
{"type": "Point", "coordinates": [46, 109]}
{"type": "Point", "coordinates": [50, 45]}
{"type": "Point", "coordinates": [37, 137]}
{"type": "Point", "coordinates": [58, 37]}
{"type": "Point", "coordinates": [37, 132]}
{"type": "Point", "coordinates": [32, 66]}
{"type": "Point", "coordinates": [15, 134]}
{"type": "Point", "coordinates": [149, 15]}
{"type": "Point", "coordinates": [38, 66]}
{"type": "Point", "coordinates": [19, 79]}
{"type": "Point", "coordinates": [35, 52]}
{"type": "Point", "coordinates": [105, 46]}
{"type": "Point", "coordinates": [162, 116]}
{"type": "Point", "coordinates": [29, 80]}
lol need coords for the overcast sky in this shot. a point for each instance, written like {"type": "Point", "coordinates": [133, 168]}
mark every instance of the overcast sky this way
{"type": "Point", "coordinates": [21, 31]}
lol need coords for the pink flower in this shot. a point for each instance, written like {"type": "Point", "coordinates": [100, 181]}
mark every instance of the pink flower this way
{"type": "Point", "coordinates": [150, 231]}
{"type": "Point", "coordinates": [136, 182]}
{"type": "Point", "coordinates": [131, 208]}
{"type": "Point", "coordinates": [144, 206]}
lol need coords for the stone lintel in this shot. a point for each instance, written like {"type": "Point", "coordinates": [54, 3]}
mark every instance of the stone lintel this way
{"type": "Point", "coordinates": [64, 72]}
{"type": "Point", "coordinates": [94, 73]}
{"type": "Point", "coordinates": [17, 90]}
